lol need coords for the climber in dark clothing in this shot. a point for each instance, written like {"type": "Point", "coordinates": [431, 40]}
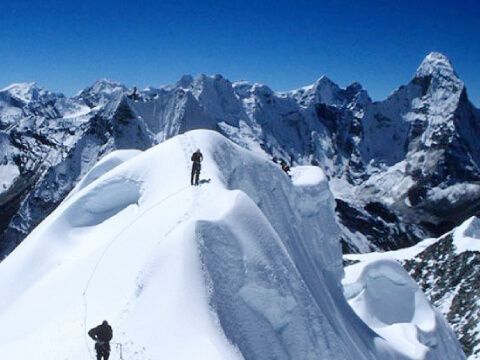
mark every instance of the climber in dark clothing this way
{"type": "Point", "coordinates": [102, 335]}
{"type": "Point", "coordinates": [197, 158]}
{"type": "Point", "coordinates": [285, 166]}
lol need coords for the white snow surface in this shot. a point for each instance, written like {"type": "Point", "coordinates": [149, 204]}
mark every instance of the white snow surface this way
{"type": "Point", "coordinates": [384, 295]}
{"type": "Point", "coordinates": [308, 176]}
{"type": "Point", "coordinates": [466, 237]}
{"type": "Point", "coordinates": [246, 265]}
{"type": "Point", "coordinates": [8, 174]}
{"type": "Point", "coordinates": [382, 270]}
{"type": "Point", "coordinates": [433, 63]}
{"type": "Point", "coordinates": [106, 164]}
{"type": "Point", "coordinates": [22, 91]}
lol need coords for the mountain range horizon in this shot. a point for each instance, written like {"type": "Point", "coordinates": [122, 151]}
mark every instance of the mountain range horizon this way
{"type": "Point", "coordinates": [182, 77]}
{"type": "Point", "coordinates": [400, 171]}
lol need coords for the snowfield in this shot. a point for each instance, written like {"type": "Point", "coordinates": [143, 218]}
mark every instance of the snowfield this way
{"type": "Point", "coordinates": [247, 265]}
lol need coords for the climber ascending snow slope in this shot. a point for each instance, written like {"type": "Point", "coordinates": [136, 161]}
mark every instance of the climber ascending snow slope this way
{"type": "Point", "coordinates": [248, 266]}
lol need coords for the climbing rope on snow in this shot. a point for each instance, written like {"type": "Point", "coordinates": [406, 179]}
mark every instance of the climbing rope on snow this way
{"type": "Point", "coordinates": [104, 252]}
{"type": "Point", "coordinates": [185, 147]}
{"type": "Point", "coordinates": [119, 347]}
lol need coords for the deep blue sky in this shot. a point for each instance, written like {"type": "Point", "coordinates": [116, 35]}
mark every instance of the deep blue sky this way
{"type": "Point", "coordinates": [67, 45]}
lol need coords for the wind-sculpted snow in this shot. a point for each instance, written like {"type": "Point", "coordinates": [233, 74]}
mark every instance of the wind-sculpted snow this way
{"type": "Point", "coordinates": [102, 202]}
{"type": "Point", "coordinates": [105, 165]}
{"type": "Point", "coordinates": [390, 302]}
{"type": "Point", "coordinates": [446, 268]}
{"type": "Point", "coordinates": [240, 267]}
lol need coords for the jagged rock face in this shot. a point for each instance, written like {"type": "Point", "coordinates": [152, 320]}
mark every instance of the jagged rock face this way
{"type": "Point", "coordinates": [401, 169]}
{"type": "Point", "coordinates": [449, 277]}
{"type": "Point", "coordinates": [424, 136]}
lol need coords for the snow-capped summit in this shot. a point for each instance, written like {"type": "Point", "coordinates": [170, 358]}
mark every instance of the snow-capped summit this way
{"type": "Point", "coordinates": [242, 88]}
{"type": "Point", "coordinates": [323, 91]}
{"type": "Point", "coordinates": [435, 63]}
{"type": "Point", "coordinates": [101, 91]}
{"type": "Point", "coordinates": [106, 86]}
{"type": "Point", "coordinates": [27, 93]}
{"type": "Point", "coordinates": [185, 81]}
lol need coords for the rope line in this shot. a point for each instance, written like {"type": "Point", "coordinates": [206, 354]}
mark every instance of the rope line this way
{"type": "Point", "coordinates": [119, 347]}
{"type": "Point", "coordinates": [110, 244]}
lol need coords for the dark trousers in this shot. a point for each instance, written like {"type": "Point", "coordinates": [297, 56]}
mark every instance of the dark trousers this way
{"type": "Point", "coordinates": [103, 350]}
{"type": "Point", "coordinates": [195, 173]}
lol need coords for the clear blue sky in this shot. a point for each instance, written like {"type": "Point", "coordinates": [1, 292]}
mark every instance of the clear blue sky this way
{"type": "Point", "coordinates": [67, 45]}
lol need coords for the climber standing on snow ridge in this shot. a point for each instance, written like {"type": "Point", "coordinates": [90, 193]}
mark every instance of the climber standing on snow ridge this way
{"type": "Point", "coordinates": [197, 158]}
{"type": "Point", "coordinates": [102, 334]}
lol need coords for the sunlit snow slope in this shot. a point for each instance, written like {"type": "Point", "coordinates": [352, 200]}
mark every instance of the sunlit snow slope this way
{"type": "Point", "coordinates": [247, 265]}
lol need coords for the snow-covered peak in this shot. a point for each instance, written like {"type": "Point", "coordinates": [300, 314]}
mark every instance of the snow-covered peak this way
{"type": "Point", "coordinates": [261, 89]}
{"type": "Point", "coordinates": [101, 92]}
{"type": "Point", "coordinates": [324, 81]}
{"type": "Point", "coordinates": [242, 88]}
{"type": "Point", "coordinates": [325, 84]}
{"type": "Point", "coordinates": [216, 96]}
{"type": "Point", "coordinates": [203, 84]}
{"type": "Point", "coordinates": [25, 92]}
{"type": "Point", "coordinates": [106, 86]}
{"type": "Point", "coordinates": [466, 237]}
{"type": "Point", "coordinates": [436, 64]}
{"type": "Point", "coordinates": [323, 91]}
{"type": "Point", "coordinates": [185, 81]}
{"type": "Point", "coordinates": [204, 80]}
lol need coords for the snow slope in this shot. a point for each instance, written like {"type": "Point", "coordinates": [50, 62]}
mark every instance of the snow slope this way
{"type": "Point", "coordinates": [390, 302]}
{"type": "Point", "coordinates": [447, 270]}
{"type": "Point", "coordinates": [247, 265]}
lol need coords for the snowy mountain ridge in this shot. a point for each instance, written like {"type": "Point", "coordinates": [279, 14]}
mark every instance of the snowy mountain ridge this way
{"type": "Point", "coordinates": [401, 169]}
{"type": "Point", "coordinates": [245, 266]}
{"type": "Point", "coordinates": [400, 164]}
{"type": "Point", "coordinates": [435, 63]}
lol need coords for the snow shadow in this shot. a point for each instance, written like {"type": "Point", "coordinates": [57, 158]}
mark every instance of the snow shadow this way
{"type": "Point", "coordinates": [104, 201]}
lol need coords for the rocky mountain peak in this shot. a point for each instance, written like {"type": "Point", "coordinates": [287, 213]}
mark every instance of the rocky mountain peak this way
{"type": "Point", "coordinates": [242, 88]}
{"type": "Point", "coordinates": [325, 89]}
{"type": "Point", "coordinates": [101, 92]}
{"type": "Point", "coordinates": [185, 81]}
{"type": "Point", "coordinates": [436, 64]}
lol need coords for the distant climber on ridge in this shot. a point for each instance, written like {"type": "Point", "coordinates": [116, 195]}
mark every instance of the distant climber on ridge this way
{"type": "Point", "coordinates": [197, 158]}
{"type": "Point", "coordinates": [102, 334]}
{"type": "Point", "coordinates": [285, 167]}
